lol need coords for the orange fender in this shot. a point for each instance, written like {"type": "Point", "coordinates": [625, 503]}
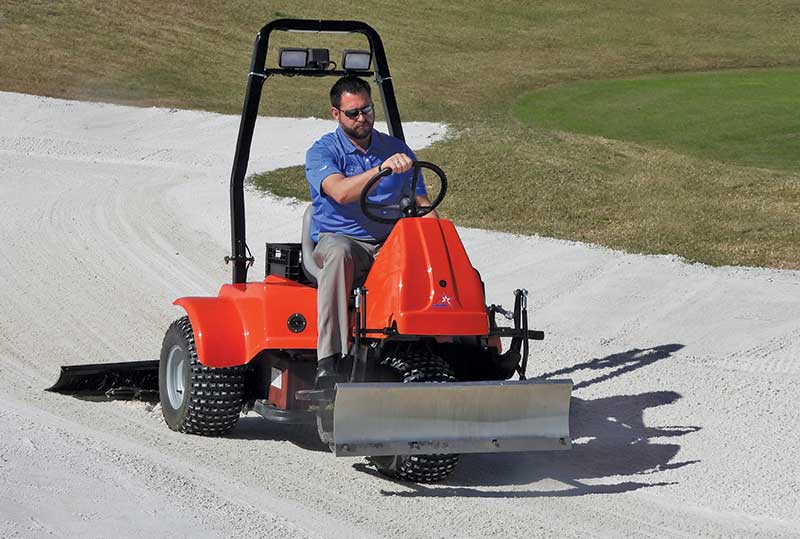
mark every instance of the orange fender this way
{"type": "Point", "coordinates": [244, 319]}
{"type": "Point", "coordinates": [218, 333]}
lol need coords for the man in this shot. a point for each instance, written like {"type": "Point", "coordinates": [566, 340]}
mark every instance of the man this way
{"type": "Point", "coordinates": [338, 166]}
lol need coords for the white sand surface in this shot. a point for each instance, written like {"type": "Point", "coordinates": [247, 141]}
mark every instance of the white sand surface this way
{"type": "Point", "coordinates": [684, 413]}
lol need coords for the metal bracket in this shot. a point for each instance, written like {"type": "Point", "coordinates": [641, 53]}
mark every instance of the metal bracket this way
{"type": "Point", "coordinates": [249, 258]}
{"type": "Point", "coordinates": [360, 316]}
{"type": "Point", "coordinates": [508, 315]}
{"type": "Point", "coordinates": [521, 316]}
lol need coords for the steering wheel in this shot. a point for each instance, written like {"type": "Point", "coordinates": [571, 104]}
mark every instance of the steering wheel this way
{"type": "Point", "coordinates": [407, 205]}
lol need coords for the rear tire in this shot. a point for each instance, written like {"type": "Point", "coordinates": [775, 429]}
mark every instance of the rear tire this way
{"type": "Point", "coordinates": [196, 399]}
{"type": "Point", "coordinates": [418, 366]}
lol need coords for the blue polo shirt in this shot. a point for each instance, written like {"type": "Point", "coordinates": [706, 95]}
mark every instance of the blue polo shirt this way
{"type": "Point", "coordinates": [334, 153]}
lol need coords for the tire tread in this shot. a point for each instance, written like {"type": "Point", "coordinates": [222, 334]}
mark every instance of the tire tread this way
{"type": "Point", "coordinates": [419, 365]}
{"type": "Point", "coordinates": [216, 395]}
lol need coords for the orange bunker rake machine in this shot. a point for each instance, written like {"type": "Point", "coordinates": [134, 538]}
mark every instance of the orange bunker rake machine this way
{"type": "Point", "coordinates": [426, 378]}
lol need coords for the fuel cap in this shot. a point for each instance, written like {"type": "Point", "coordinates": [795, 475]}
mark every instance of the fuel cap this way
{"type": "Point", "coordinates": [296, 323]}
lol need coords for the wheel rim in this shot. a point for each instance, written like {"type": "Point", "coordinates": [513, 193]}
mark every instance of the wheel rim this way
{"type": "Point", "coordinates": [176, 365]}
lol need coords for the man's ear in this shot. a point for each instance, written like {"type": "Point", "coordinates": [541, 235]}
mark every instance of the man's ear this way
{"type": "Point", "coordinates": [335, 113]}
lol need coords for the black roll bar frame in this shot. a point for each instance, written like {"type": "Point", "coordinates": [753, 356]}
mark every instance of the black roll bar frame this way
{"type": "Point", "coordinates": [259, 73]}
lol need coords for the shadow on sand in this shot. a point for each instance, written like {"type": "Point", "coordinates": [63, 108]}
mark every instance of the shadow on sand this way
{"type": "Point", "coordinates": [256, 428]}
{"type": "Point", "coordinates": [610, 439]}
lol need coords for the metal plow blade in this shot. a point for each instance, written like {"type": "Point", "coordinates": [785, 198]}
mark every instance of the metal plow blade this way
{"type": "Point", "coordinates": [463, 417]}
{"type": "Point", "coordinates": [134, 380]}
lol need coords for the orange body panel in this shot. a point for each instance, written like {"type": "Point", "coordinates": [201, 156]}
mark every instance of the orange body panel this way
{"type": "Point", "coordinates": [244, 319]}
{"type": "Point", "coordinates": [422, 281]}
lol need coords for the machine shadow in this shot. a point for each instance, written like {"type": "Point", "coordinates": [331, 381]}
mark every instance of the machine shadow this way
{"type": "Point", "coordinates": [621, 363]}
{"type": "Point", "coordinates": [256, 428]}
{"type": "Point", "coordinates": [610, 439]}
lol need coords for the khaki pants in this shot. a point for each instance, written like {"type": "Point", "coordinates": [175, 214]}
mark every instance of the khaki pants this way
{"type": "Point", "coordinates": [345, 263]}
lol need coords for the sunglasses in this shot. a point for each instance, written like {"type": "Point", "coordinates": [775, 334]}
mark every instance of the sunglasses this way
{"type": "Point", "coordinates": [353, 113]}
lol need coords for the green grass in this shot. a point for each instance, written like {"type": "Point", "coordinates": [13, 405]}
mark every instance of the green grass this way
{"type": "Point", "coordinates": [748, 117]}
{"type": "Point", "coordinates": [476, 66]}
{"type": "Point", "coordinates": [453, 61]}
{"type": "Point", "coordinates": [609, 192]}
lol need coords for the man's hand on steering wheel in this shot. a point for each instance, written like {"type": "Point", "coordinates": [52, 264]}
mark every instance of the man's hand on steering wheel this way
{"type": "Point", "coordinates": [399, 163]}
{"type": "Point", "coordinates": [407, 206]}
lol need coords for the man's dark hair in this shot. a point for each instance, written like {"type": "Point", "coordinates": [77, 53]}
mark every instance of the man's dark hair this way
{"type": "Point", "coordinates": [351, 85]}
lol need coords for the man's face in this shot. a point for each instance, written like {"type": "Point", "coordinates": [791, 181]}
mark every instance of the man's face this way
{"type": "Point", "coordinates": [359, 127]}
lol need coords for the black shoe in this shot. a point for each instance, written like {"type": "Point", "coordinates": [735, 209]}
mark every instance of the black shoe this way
{"type": "Point", "coordinates": [326, 372]}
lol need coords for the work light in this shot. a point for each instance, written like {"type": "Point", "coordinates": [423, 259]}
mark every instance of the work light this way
{"type": "Point", "coordinates": [356, 60]}
{"type": "Point", "coordinates": [294, 58]}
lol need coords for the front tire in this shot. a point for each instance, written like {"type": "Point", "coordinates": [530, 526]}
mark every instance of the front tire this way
{"type": "Point", "coordinates": [418, 366]}
{"type": "Point", "coordinates": [196, 399]}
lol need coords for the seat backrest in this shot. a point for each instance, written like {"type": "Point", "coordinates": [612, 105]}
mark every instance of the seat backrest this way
{"type": "Point", "coordinates": [310, 268]}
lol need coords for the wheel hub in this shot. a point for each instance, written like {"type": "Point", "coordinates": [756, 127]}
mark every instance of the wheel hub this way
{"type": "Point", "coordinates": [176, 367]}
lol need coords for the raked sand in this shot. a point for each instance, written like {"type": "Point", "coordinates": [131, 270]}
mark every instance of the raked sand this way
{"type": "Point", "coordinates": [684, 414]}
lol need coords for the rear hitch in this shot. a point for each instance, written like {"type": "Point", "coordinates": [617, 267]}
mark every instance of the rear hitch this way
{"type": "Point", "coordinates": [521, 313]}
{"type": "Point", "coordinates": [520, 335]}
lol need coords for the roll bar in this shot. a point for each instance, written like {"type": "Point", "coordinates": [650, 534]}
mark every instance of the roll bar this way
{"type": "Point", "coordinates": [259, 73]}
